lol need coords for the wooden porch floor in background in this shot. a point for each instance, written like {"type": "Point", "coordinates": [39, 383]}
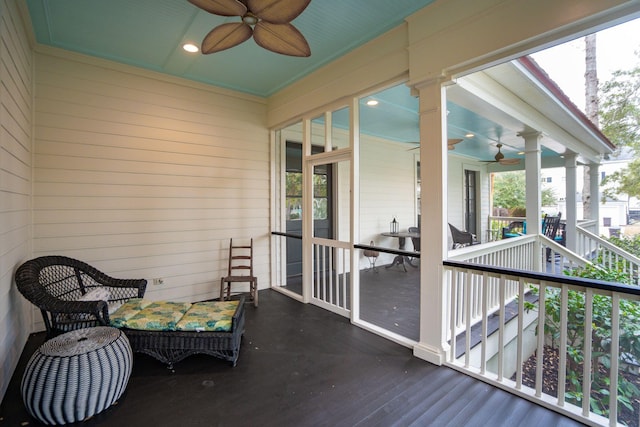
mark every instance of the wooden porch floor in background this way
{"type": "Point", "coordinates": [300, 365]}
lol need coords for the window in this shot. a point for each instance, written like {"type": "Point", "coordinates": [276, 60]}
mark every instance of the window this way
{"type": "Point", "coordinates": [320, 192]}
{"type": "Point", "coordinates": [294, 195]}
{"type": "Point", "coordinates": [606, 221]}
{"type": "Point", "coordinates": [293, 178]}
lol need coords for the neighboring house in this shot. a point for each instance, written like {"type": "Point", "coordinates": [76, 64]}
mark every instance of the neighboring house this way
{"type": "Point", "coordinates": [147, 175]}
{"type": "Point", "coordinates": [615, 214]}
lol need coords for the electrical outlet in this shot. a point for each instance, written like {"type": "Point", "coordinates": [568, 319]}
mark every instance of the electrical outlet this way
{"type": "Point", "coordinates": [158, 281]}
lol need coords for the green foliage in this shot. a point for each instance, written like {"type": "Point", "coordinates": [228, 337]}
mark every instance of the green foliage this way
{"type": "Point", "coordinates": [620, 122]}
{"type": "Point", "coordinates": [629, 338]}
{"type": "Point", "coordinates": [596, 272]}
{"type": "Point", "coordinates": [623, 181]}
{"type": "Point", "coordinates": [509, 191]}
{"type": "Point", "coordinates": [630, 244]}
{"type": "Point", "coordinates": [620, 108]}
{"type": "Point", "coordinates": [548, 197]}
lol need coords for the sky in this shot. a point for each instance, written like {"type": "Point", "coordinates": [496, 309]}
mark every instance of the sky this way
{"type": "Point", "coordinates": [565, 64]}
{"type": "Point", "coordinates": [615, 49]}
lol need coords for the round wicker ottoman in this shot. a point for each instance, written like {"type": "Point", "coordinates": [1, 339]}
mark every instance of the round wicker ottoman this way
{"type": "Point", "coordinates": [77, 375]}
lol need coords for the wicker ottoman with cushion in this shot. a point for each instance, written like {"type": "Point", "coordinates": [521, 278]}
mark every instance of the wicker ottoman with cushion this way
{"type": "Point", "coordinates": [76, 375]}
{"type": "Point", "coordinates": [170, 331]}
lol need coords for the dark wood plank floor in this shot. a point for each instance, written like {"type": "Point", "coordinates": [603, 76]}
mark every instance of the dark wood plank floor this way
{"type": "Point", "coordinates": [300, 365]}
{"type": "Point", "coordinates": [389, 298]}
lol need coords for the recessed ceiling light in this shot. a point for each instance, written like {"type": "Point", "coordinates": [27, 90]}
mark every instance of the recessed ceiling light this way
{"type": "Point", "coordinates": [372, 102]}
{"type": "Point", "coordinates": [469, 135]}
{"type": "Point", "coordinates": [190, 47]}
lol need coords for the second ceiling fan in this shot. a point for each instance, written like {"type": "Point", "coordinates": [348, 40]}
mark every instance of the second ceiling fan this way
{"type": "Point", "coordinates": [499, 157]}
{"type": "Point", "coordinates": [268, 21]}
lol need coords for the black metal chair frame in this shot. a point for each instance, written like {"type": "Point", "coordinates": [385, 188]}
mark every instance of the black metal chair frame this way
{"type": "Point", "coordinates": [514, 228]}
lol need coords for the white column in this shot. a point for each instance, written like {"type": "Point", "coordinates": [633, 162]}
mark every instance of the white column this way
{"type": "Point", "coordinates": [433, 345]}
{"type": "Point", "coordinates": [571, 183]}
{"type": "Point", "coordinates": [595, 195]}
{"type": "Point", "coordinates": [532, 180]}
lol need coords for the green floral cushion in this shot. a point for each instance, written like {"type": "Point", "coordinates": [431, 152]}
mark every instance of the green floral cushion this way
{"type": "Point", "coordinates": [208, 316]}
{"type": "Point", "coordinates": [127, 310]}
{"type": "Point", "coordinates": [158, 316]}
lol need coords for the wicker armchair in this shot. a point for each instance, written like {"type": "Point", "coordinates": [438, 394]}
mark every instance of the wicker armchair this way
{"type": "Point", "coordinates": [462, 238]}
{"type": "Point", "coordinates": [55, 284]}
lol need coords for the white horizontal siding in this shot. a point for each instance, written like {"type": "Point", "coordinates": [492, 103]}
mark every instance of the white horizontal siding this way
{"type": "Point", "coordinates": [15, 184]}
{"type": "Point", "coordinates": [147, 177]}
{"type": "Point", "coordinates": [384, 196]}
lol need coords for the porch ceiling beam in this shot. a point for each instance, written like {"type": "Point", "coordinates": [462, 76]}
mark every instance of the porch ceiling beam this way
{"type": "Point", "coordinates": [557, 138]}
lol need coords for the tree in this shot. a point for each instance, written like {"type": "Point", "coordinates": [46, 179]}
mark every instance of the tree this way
{"type": "Point", "coordinates": [620, 118]}
{"type": "Point", "coordinates": [620, 114]}
{"type": "Point", "coordinates": [591, 109]}
{"type": "Point", "coordinates": [625, 181]}
{"type": "Point", "coordinates": [509, 191]}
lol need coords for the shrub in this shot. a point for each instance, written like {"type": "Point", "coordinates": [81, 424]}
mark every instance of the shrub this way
{"type": "Point", "coordinates": [629, 338]}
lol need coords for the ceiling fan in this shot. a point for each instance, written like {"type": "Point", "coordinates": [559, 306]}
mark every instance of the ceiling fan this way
{"type": "Point", "coordinates": [268, 21]}
{"type": "Point", "coordinates": [451, 142]}
{"type": "Point", "coordinates": [499, 158]}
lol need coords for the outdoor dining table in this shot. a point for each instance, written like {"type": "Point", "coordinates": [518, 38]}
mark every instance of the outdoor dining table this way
{"type": "Point", "coordinates": [402, 239]}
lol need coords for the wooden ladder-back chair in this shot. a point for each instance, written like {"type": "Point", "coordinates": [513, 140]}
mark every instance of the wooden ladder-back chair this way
{"type": "Point", "coordinates": [240, 271]}
{"type": "Point", "coordinates": [550, 227]}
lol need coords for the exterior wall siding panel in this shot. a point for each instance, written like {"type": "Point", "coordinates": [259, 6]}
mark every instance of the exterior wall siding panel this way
{"type": "Point", "coordinates": [146, 176]}
{"type": "Point", "coordinates": [15, 183]}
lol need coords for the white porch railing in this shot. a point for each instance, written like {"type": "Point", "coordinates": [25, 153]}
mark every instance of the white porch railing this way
{"type": "Point", "coordinates": [503, 352]}
{"type": "Point", "coordinates": [534, 253]}
{"type": "Point", "coordinates": [588, 224]}
{"type": "Point", "coordinates": [601, 252]}
{"type": "Point", "coordinates": [497, 223]}
{"type": "Point", "coordinates": [331, 282]}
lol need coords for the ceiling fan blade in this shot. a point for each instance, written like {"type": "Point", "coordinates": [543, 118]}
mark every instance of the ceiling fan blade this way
{"type": "Point", "coordinates": [225, 36]}
{"type": "Point", "coordinates": [221, 7]}
{"type": "Point", "coordinates": [277, 11]}
{"type": "Point", "coordinates": [509, 161]}
{"type": "Point", "coordinates": [281, 38]}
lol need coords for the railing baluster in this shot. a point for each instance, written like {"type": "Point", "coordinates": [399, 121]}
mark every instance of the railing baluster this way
{"type": "Point", "coordinates": [502, 285]}
{"type": "Point", "coordinates": [454, 274]}
{"type": "Point", "coordinates": [562, 363]}
{"type": "Point", "coordinates": [520, 337]}
{"type": "Point", "coordinates": [485, 315]}
{"type": "Point", "coordinates": [330, 272]}
{"type": "Point", "coordinates": [588, 349]}
{"type": "Point", "coordinates": [467, 291]}
{"type": "Point", "coordinates": [615, 354]}
{"type": "Point", "coordinates": [540, 349]}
